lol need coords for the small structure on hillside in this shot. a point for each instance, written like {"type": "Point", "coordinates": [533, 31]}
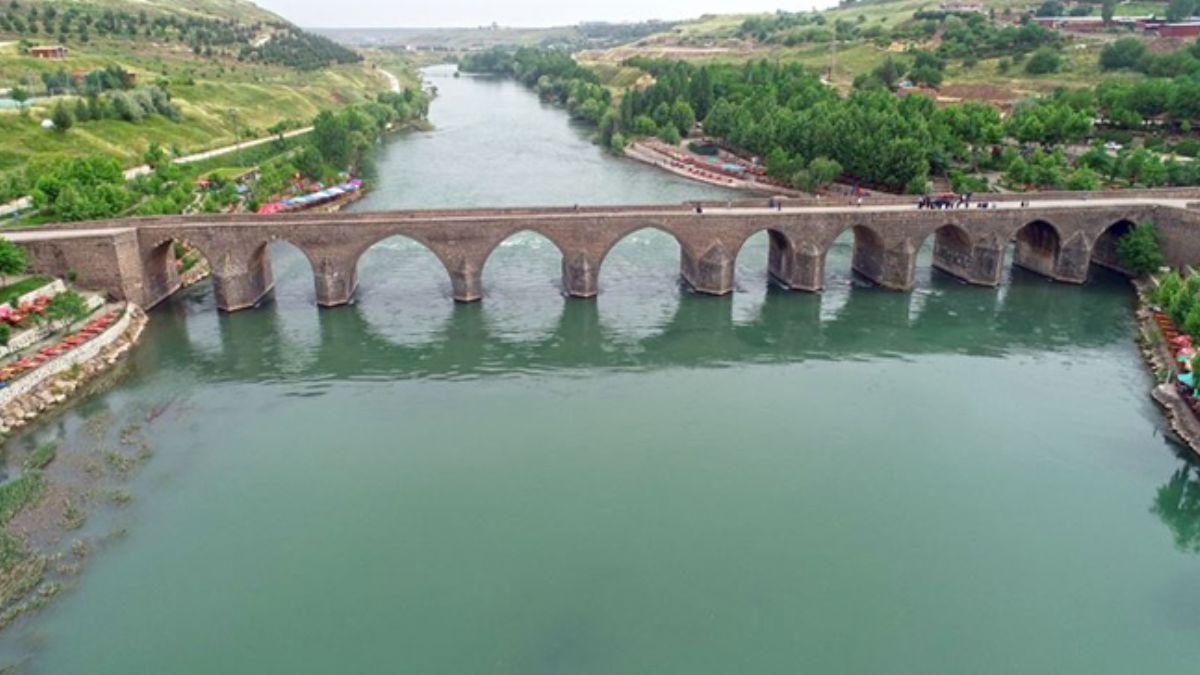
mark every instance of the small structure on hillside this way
{"type": "Point", "coordinates": [49, 52]}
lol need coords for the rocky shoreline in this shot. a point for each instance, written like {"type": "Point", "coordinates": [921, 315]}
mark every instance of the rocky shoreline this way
{"type": "Point", "coordinates": [1157, 358]}
{"type": "Point", "coordinates": [62, 485]}
{"type": "Point", "coordinates": [56, 388]}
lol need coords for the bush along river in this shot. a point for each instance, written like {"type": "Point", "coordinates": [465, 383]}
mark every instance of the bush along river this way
{"type": "Point", "coordinates": [959, 479]}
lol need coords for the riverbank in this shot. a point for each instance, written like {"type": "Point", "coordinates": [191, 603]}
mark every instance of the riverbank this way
{"type": "Point", "coordinates": [1159, 359]}
{"type": "Point", "coordinates": [651, 154]}
{"type": "Point", "coordinates": [56, 486]}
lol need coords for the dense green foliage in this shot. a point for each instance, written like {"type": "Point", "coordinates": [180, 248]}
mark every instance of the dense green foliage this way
{"type": "Point", "coordinates": [10, 293]}
{"type": "Point", "coordinates": [962, 34]}
{"type": "Point", "coordinates": [12, 261]}
{"type": "Point", "coordinates": [298, 49]}
{"type": "Point", "coordinates": [1140, 250]}
{"type": "Point", "coordinates": [93, 188]}
{"type": "Point", "coordinates": [79, 189]}
{"type": "Point", "coordinates": [67, 307]}
{"type": "Point", "coordinates": [553, 73]}
{"type": "Point", "coordinates": [784, 114]}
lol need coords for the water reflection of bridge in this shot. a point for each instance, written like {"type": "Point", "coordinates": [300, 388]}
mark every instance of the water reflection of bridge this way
{"type": "Point", "coordinates": [702, 332]}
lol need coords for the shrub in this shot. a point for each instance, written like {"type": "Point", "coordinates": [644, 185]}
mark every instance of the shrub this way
{"type": "Point", "coordinates": [1045, 60]}
{"type": "Point", "coordinates": [1168, 287]}
{"type": "Point", "coordinates": [1191, 322]}
{"type": "Point", "coordinates": [1140, 250]}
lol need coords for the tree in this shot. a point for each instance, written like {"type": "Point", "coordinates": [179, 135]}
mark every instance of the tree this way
{"type": "Point", "coordinates": [1168, 287]}
{"type": "Point", "coordinates": [1124, 53]}
{"type": "Point", "coordinates": [1044, 61]}
{"type": "Point", "coordinates": [331, 136]}
{"type": "Point", "coordinates": [12, 260]}
{"type": "Point", "coordinates": [68, 307]}
{"type": "Point", "coordinates": [1050, 8]}
{"type": "Point", "coordinates": [1178, 10]}
{"type": "Point", "coordinates": [683, 117]}
{"type": "Point", "coordinates": [1083, 179]}
{"type": "Point", "coordinates": [19, 95]}
{"type": "Point", "coordinates": [1107, 9]}
{"type": "Point", "coordinates": [1180, 305]}
{"type": "Point", "coordinates": [1140, 250]}
{"type": "Point", "coordinates": [62, 118]}
{"type": "Point", "coordinates": [824, 171]}
{"type": "Point", "coordinates": [1191, 322]}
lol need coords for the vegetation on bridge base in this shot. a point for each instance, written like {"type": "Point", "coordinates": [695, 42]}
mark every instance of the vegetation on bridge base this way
{"type": "Point", "coordinates": [1140, 249]}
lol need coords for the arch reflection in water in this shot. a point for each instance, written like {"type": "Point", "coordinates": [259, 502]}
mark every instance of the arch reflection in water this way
{"type": "Point", "coordinates": [697, 331]}
{"type": "Point", "coordinates": [293, 292]}
{"type": "Point", "coordinates": [751, 277]}
{"type": "Point", "coordinates": [522, 287]}
{"type": "Point", "coordinates": [839, 278]}
{"type": "Point", "coordinates": [640, 284]}
{"type": "Point", "coordinates": [404, 291]}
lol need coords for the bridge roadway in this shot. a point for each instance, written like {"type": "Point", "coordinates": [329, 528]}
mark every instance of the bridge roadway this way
{"type": "Point", "coordinates": [1057, 235]}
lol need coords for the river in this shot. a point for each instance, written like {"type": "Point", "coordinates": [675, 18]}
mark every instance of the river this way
{"type": "Point", "coordinates": [954, 480]}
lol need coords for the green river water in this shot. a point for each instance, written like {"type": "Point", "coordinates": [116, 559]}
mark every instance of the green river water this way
{"type": "Point", "coordinates": [956, 480]}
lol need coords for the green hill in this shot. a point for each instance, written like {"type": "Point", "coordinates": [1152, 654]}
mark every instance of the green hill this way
{"type": "Point", "coordinates": [237, 10]}
{"type": "Point", "coordinates": [196, 74]}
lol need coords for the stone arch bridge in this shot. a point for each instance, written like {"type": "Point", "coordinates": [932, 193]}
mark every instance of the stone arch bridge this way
{"type": "Point", "coordinates": [1059, 238]}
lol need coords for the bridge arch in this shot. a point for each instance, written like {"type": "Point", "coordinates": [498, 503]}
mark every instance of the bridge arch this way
{"type": "Point", "coordinates": [417, 257]}
{"type": "Point", "coordinates": [1104, 247]}
{"type": "Point", "coordinates": [168, 261]}
{"type": "Point", "coordinates": [635, 230]}
{"type": "Point", "coordinates": [535, 243]}
{"type": "Point", "coordinates": [522, 280]}
{"type": "Point", "coordinates": [867, 252]}
{"type": "Point", "coordinates": [241, 273]}
{"type": "Point", "coordinates": [955, 253]}
{"type": "Point", "coordinates": [279, 254]}
{"type": "Point", "coordinates": [1038, 245]}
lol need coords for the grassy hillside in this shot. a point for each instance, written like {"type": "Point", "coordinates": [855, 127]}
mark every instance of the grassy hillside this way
{"type": "Point", "coordinates": [863, 31]}
{"type": "Point", "coordinates": [220, 87]}
{"type": "Point", "coordinates": [240, 10]}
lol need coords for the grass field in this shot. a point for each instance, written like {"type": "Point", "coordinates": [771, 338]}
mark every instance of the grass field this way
{"type": "Point", "coordinates": [205, 90]}
{"type": "Point", "coordinates": [718, 39]}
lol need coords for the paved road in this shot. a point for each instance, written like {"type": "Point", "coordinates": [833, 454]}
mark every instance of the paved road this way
{"type": "Point", "coordinates": [144, 169]}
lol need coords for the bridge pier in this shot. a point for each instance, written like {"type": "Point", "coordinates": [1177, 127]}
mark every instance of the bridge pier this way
{"type": "Point", "coordinates": [892, 268]}
{"type": "Point", "coordinates": [711, 274]}
{"type": "Point", "coordinates": [468, 283]}
{"type": "Point", "coordinates": [242, 283]}
{"type": "Point", "coordinates": [1073, 261]}
{"type": "Point", "coordinates": [580, 277]}
{"type": "Point", "coordinates": [1039, 250]}
{"type": "Point", "coordinates": [955, 254]}
{"type": "Point", "coordinates": [793, 268]}
{"type": "Point", "coordinates": [335, 287]}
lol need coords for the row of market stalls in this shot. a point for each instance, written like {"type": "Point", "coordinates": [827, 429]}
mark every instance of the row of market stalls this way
{"type": "Point", "coordinates": [1187, 380]}
{"type": "Point", "coordinates": [319, 197]}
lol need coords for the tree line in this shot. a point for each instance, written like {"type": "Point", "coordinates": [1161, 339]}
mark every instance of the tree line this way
{"type": "Point", "coordinates": [94, 187]}
{"type": "Point", "coordinates": [804, 131]}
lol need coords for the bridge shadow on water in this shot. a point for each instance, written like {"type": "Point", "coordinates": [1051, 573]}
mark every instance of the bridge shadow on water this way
{"type": "Point", "coordinates": [288, 339]}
